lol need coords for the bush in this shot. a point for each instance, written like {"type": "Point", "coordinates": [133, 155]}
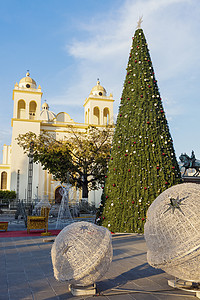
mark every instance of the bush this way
{"type": "Point", "coordinates": [9, 195]}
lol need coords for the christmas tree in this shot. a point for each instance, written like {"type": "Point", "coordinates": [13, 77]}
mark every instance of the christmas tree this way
{"type": "Point", "coordinates": [142, 163]}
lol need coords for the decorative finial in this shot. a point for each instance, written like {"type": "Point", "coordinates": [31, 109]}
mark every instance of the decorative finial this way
{"type": "Point", "coordinates": [27, 74]}
{"type": "Point", "coordinates": [98, 82]}
{"type": "Point", "coordinates": [139, 22]}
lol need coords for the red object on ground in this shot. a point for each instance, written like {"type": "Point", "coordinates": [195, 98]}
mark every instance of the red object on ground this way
{"type": "Point", "coordinates": [23, 233]}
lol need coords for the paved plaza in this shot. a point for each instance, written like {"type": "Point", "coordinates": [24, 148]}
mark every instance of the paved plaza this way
{"type": "Point", "coordinates": [27, 273]}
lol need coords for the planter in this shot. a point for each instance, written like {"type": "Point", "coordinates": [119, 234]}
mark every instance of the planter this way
{"type": "Point", "coordinates": [4, 226]}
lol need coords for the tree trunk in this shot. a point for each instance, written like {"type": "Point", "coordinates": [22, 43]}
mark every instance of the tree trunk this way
{"type": "Point", "coordinates": [85, 187]}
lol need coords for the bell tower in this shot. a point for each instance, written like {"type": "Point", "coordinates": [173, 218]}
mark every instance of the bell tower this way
{"type": "Point", "coordinates": [26, 117]}
{"type": "Point", "coordinates": [98, 107]}
{"type": "Point", "coordinates": [27, 99]}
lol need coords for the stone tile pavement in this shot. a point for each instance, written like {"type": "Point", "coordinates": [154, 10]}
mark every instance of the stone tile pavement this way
{"type": "Point", "coordinates": [26, 273]}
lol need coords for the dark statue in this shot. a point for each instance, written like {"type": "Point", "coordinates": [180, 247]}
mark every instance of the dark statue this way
{"type": "Point", "coordinates": [190, 163]}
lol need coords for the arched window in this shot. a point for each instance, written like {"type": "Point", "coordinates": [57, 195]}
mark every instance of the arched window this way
{"type": "Point", "coordinates": [96, 116]}
{"type": "Point", "coordinates": [32, 110]}
{"type": "Point", "coordinates": [86, 117]}
{"type": "Point", "coordinates": [21, 109]}
{"type": "Point", "coordinates": [3, 180]}
{"type": "Point", "coordinates": [106, 116]}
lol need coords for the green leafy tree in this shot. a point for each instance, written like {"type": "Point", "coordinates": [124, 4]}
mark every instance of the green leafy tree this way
{"type": "Point", "coordinates": [143, 162]}
{"type": "Point", "coordinates": [81, 159]}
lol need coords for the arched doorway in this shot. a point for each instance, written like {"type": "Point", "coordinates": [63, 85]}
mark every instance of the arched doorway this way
{"type": "Point", "coordinates": [58, 196]}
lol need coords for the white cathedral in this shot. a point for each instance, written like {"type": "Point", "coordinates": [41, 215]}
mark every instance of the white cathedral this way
{"type": "Point", "coordinates": [30, 115]}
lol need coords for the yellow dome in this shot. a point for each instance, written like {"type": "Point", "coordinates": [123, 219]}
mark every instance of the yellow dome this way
{"type": "Point", "coordinates": [98, 90]}
{"type": "Point", "coordinates": [45, 106]}
{"type": "Point", "coordinates": [27, 82]}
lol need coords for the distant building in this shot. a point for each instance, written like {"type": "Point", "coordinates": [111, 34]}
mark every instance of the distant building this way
{"type": "Point", "coordinates": [29, 115]}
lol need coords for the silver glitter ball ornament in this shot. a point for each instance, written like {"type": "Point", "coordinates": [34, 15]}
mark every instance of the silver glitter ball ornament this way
{"type": "Point", "coordinates": [172, 232]}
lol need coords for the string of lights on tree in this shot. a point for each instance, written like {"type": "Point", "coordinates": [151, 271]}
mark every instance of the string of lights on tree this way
{"type": "Point", "coordinates": [142, 162]}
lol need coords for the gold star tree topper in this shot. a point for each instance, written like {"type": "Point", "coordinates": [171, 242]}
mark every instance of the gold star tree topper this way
{"type": "Point", "coordinates": [139, 22]}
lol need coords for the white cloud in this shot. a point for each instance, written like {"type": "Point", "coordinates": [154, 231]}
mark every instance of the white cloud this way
{"type": "Point", "coordinates": [102, 51]}
{"type": "Point", "coordinates": [112, 36]}
{"type": "Point", "coordinates": [104, 54]}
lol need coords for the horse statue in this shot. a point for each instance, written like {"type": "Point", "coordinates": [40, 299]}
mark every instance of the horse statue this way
{"type": "Point", "coordinates": [190, 163]}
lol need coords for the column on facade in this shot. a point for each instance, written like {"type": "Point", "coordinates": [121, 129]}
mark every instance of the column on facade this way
{"type": "Point", "coordinates": [27, 110]}
{"type": "Point", "coordinates": [101, 117]}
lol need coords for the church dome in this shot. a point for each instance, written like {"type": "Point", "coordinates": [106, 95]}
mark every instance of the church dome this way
{"type": "Point", "coordinates": [27, 82]}
{"type": "Point", "coordinates": [98, 90]}
{"type": "Point", "coordinates": [46, 114]}
{"type": "Point", "coordinates": [45, 106]}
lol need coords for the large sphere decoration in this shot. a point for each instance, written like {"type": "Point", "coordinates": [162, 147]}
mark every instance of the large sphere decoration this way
{"type": "Point", "coordinates": [81, 253]}
{"type": "Point", "coordinates": [172, 232]}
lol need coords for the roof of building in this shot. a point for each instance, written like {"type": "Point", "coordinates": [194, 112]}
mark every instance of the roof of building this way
{"type": "Point", "coordinates": [98, 90]}
{"type": "Point", "coordinates": [46, 114]}
{"type": "Point", "coordinates": [27, 82]}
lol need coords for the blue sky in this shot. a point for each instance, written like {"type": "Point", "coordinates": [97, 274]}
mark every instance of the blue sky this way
{"type": "Point", "coordinates": [67, 45]}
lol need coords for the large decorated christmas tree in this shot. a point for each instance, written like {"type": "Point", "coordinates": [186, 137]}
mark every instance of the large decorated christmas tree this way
{"type": "Point", "coordinates": [142, 163]}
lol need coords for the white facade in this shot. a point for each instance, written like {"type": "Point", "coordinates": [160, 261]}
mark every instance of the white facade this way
{"type": "Point", "coordinates": [28, 115]}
